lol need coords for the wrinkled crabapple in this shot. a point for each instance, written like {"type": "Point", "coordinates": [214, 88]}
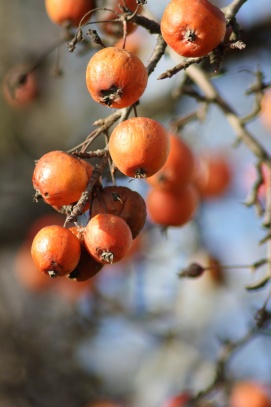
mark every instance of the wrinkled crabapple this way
{"type": "Point", "coordinates": [193, 28]}
{"type": "Point", "coordinates": [139, 147]}
{"type": "Point", "coordinates": [115, 77]}
{"type": "Point", "coordinates": [122, 202]}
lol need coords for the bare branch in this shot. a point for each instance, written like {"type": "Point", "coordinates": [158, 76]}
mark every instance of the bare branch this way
{"type": "Point", "coordinates": [232, 9]}
{"type": "Point", "coordinates": [201, 79]}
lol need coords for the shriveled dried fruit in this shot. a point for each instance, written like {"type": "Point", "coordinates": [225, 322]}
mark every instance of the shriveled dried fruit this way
{"type": "Point", "coordinates": [87, 266]}
{"type": "Point", "coordinates": [123, 202]}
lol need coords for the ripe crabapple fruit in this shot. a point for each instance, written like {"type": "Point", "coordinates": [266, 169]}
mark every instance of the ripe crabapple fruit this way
{"type": "Point", "coordinates": [55, 250]}
{"type": "Point", "coordinates": [107, 238]}
{"type": "Point", "coordinates": [122, 202]}
{"type": "Point", "coordinates": [193, 28]}
{"type": "Point", "coordinates": [139, 147]}
{"type": "Point", "coordinates": [115, 77]}
{"type": "Point", "coordinates": [60, 178]}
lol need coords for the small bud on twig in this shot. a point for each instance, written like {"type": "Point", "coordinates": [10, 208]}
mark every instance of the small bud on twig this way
{"type": "Point", "coordinates": [261, 317]}
{"type": "Point", "coordinates": [193, 270]}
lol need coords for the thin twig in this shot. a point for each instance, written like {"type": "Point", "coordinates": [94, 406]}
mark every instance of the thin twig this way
{"type": "Point", "coordinates": [77, 210]}
{"type": "Point", "coordinates": [254, 192]}
{"type": "Point", "coordinates": [202, 80]}
{"type": "Point", "coordinates": [182, 65]}
{"type": "Point", "coordinates": [232, 9]}
{"type": "Point", "coordinates": [227, 351]}
{"type": "Point", "coordinates": [157, 54]}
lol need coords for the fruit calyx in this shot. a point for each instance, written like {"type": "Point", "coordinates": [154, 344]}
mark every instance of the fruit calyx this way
{"type": "Point", "coordinates": [140, 173]}
{"type": "Point", "coordinates": [190, 35]}
{"type": "Point", "coordinates": [108, 257]}
{"type": "Point", "coordinates": [111, 95]}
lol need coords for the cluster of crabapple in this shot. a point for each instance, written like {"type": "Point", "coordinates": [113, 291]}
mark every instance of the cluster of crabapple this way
{"type": "Point", "coordinates": [139, 147]}
{"type": "Point", "coordinates": [117, 215]}
{"type": "Point", "coordinates": [192, 30]}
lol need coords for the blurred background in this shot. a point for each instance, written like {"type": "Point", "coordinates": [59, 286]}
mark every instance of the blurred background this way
{"type": "Point", "coordinates": [136, 333]}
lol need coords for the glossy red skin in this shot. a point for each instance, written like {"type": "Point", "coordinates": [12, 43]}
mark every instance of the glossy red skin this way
{"type": "Point", "coordinates": [130, 206]}
{"type": "Point", "coordinates": [107, 233]}
{"type": "Point", "coordinates": [139, 144]}
{"type": "Point", "coordinates": [192, 28]}
{"type": "Point", "coordinates": [116, 68]}
{"type": "Point", "coordinates": [60, 178]}
{"type": "Point", "coordinates": [179, 168]}
{"type": "Point", "coordinates": [166, 208]}
{"type": "Point", "coordinates": [61, 11]}
{"type": "Point", "coordinates": [56, 249]}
